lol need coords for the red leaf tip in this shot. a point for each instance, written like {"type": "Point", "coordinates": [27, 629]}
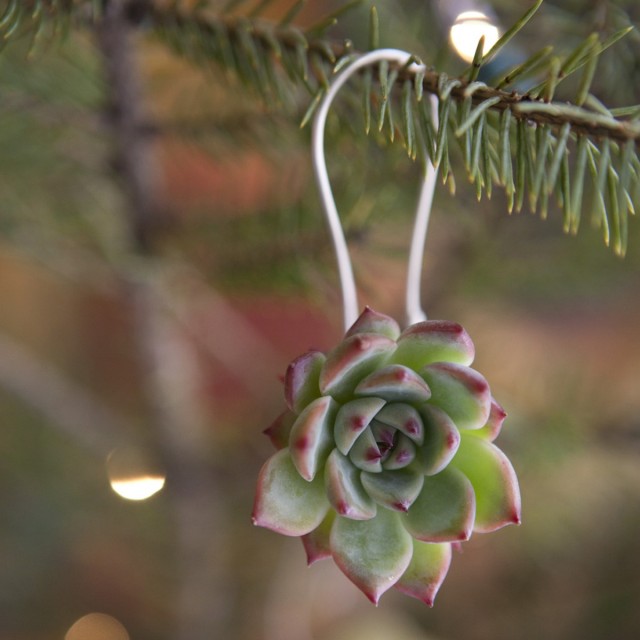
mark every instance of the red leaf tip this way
{"type": "Point", "coordinates": [412, 426]}
{"type": "Point", "coordinates": [373, 454]}
{"type": "Point", "coordinates": [453, 439]}
{"type": "Point", "coordinates": [312, 558]}
{"type": "Point", "coordinates": [344, 508]}
{"type": "Point", "coordinates": [498, 410]}
{"type": "Point", "coordinates": [401, 375]}
{"type": "Point", "coordinates": [361, 343]}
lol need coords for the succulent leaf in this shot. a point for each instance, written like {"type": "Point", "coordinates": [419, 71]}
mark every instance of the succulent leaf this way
{"type": "Point", "coordinates": [441, 440]}
{"type": "Point", "coordinates": [445, 509]}
{"type": "Point", "coordinates": [402, 456]}
{"type": "Point", "coordinates": [385, 437]}
{"type": "Point", "coordinates": [385, 457]}
{"type": "Point", "coordinates": [310, 440]}
{"type": "Point", "coordinates": [494, 482]}
{"type": "Point", "coordinates": [461, 392]}
{"type": "Point", "coordinates": [394, 383]}
{"type": "Point", "coordinates": [371, 321]}
{"type": "Point", "coordinates": [301, 381]}
{"type": "Point", "coordinates": [492, 429]}
{"type": "Point", "coordinates": [404, 418]}
{"type": "Point", "coordinates": [395, 489]}
{"type": "Point", "coordinates": [354, 358]}
{"type": "Point", "coordinates": [426, 571]}
{"type": "Point", "coordinates": [344, 489]}
{"type": "Point", "coordinates": [365, 453]}
{"type": "Point", "coordinates": [373, 554]}
{"type": "Point", "coordinates": [285, 502]}
{"type": "Point", "coordinates": [316, 543]}
{"type": "Point", "coordinates": [434, 341]}
{"type": "Point", "coordinates": [352, 419]}
{"type": "Point", "coordinates": [278, 431]}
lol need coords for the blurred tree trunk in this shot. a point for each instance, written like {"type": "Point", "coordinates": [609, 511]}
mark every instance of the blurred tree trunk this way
{"type": "Point", "coordinates": [167, 358]}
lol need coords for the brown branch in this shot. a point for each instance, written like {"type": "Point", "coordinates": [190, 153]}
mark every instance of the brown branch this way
{"type": "Point", "coordinates": [196, 499]}
{"type": "Point", "coordinates": [178, 25]}
{"type": "Point", "coordinates": [170, 20]}
{"type": "Point", "coordinates": [135, 160]}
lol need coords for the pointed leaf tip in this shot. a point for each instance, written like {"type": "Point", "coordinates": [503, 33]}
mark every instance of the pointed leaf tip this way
{"type": "Point", "coordinates": [278, 431]}
{"type": "Point", "coordinates": [403, 454]}
{"type": "Point", "coordinates": [445, 509]}
{"type": "Point", "coordinates": [345, 490]}
{"type": "Point", "coordinates": [301, 381]}
{"type": "Point", "coordinates": [372, 554]}
{"type": "Point", "coordinates": [396, 489]}
{"type": "Point", "coordinates": [441, 440]}
{"type": "Point", "coordinates": [494, 482]}
{"type": "Point", "coordinates": [434, 341]}
{"type": "Point", "coordinates": [365, 453]}
{"type": "Point", "coordinates": [405, 418]}
{"type": "Point", "coordinates": [285, 502]}
{"type": "Point", "coordinates": [461, 392]}
{"type": "Point", "coordinates": [354, 358]}
{"type": "Point", "coordinates": [395, 383]}
{"type": "Point", "coordinates": [311, 438]}
{"type": "Point", "coordinates": [426, 572]}
{"type": "Point", "coordinates": [492, 429]}
{"type": "Point", "coordinates": [371, 321]}
{"type": "Point", "coordinates": [316, 543]}
{"type": "Point", "coordinates": [352, 419]}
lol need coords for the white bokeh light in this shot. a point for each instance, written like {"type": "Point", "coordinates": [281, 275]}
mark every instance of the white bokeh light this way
{"type": "Point", "coordinates": [132, 476]}
{"type": "Point", "coordinates": [139, 488]}
{"type": "Point", "coordinates": [467, 30]}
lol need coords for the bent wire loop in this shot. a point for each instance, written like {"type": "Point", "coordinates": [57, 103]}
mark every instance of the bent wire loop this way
{"type": "Point", "coordinates": [351, 310]}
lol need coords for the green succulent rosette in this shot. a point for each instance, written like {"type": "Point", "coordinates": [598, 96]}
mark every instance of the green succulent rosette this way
{"type": "Point", "coordinates": [386, 457]}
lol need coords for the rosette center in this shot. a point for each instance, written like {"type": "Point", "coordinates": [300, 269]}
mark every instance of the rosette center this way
{"type": "Point", "coordinates": [377, 435]}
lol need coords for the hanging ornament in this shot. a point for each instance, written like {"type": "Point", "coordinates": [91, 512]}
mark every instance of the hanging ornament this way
{"type": "Point", "coordinates": [385, 456]}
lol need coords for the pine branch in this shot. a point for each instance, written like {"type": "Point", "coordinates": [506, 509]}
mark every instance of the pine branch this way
{"type": "Point", "coordinates": [531, 156]}
{"type": "Point", "coordinates": [469, 113]}
{"type": "Point", "coordinates": [205, 37]}
{"type": "Point", "coordinates": [176, 26]}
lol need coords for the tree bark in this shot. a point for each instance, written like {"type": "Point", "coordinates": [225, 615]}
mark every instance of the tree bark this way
{"type": "Point", "coordinates": [176, 430]}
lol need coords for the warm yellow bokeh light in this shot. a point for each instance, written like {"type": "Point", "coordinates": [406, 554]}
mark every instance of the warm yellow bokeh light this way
{"type": "Point", "coordinates": [467, 30]}
{"type": "Point", "coordinates": [132, 475]}
{"type": "Point", "coordinates": [139, 488]}
{"type": "Point", "coordinates": [97, 626]}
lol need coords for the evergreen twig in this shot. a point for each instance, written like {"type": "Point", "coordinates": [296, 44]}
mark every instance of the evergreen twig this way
{"type": "Point", "coordinates": [264, 54]}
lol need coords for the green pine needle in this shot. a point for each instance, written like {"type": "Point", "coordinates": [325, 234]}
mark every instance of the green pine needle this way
{"type": "Point", "coordinates": [510, 33]}
{"type": "Point", "coordinates": [374, 29]}
{"type": "Point", "coordinates": [533, 148]}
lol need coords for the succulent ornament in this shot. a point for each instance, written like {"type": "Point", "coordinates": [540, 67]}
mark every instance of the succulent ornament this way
{"type": "Point", "coordinates": [385, 456]}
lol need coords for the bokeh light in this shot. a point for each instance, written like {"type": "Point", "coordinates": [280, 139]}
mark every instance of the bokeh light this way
{"type": "Point", "coordinates": [467, 30]}
{"type": "Point", "coordinates": [97, 626]}
{"type": "Point", "coordinates": [132, 475]}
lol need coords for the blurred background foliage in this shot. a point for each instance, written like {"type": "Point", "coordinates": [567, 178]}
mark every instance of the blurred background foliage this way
{"type": "Point", "coordinates": [177, 351]}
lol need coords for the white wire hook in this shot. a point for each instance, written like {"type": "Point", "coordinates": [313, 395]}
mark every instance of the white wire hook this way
{"type": "Point", "coordinates": [413, 307]}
